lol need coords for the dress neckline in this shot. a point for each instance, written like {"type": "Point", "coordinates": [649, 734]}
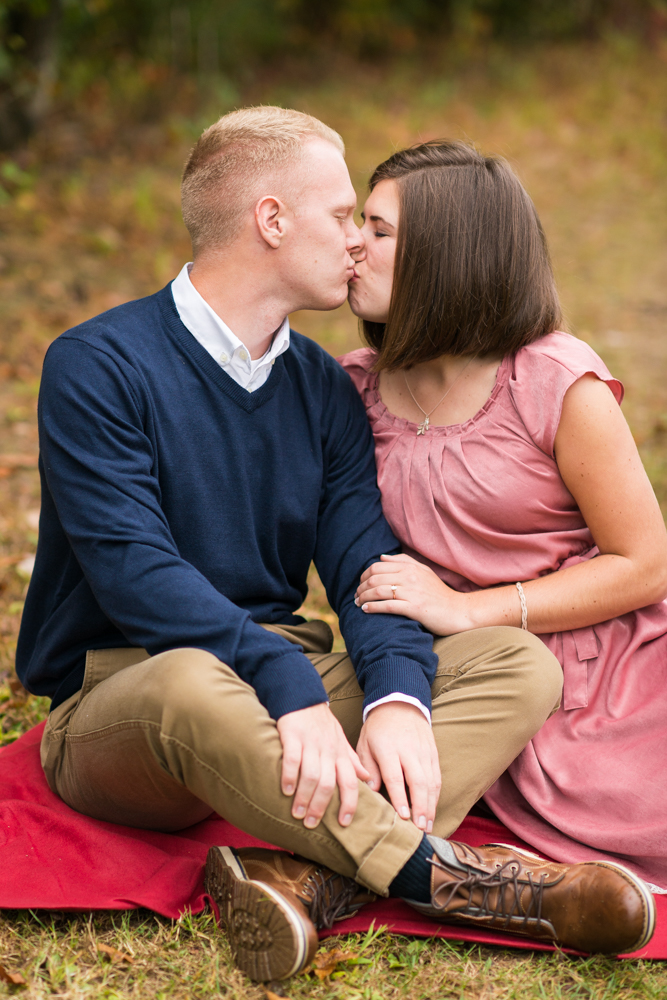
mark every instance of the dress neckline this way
{"type": "Point", "coordinates": [380, 411]}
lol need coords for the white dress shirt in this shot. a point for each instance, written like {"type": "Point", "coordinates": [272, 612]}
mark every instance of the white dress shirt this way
{"type": "Point", "coordinates": [215, 336]}
{"type": "Point", "coordinates": [234, 358]}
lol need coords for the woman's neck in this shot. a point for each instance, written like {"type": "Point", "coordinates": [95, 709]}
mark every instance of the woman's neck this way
{"type": "Point", "coordinates": [449, 389]}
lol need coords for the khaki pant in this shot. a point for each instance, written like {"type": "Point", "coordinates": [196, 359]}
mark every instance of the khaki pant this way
{"type": "Point", "coordinates": [160, 742]}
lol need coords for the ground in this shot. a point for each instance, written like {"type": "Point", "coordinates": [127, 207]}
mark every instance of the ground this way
{"type": "Point", "coordinates": [89, 218]}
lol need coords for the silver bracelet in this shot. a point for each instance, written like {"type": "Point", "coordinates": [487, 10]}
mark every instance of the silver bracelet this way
{"type": "Point", "coordinates": [524, 609]}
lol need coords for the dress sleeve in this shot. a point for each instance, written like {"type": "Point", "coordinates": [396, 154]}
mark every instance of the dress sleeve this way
{"type": "Point", "coordinates": [358, 365]}
{"type": "Point", "coordinates": [542, 373]}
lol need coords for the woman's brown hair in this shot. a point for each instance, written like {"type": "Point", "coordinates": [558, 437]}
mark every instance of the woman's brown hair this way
{"type": "Point", "coordinates": [472, 272]}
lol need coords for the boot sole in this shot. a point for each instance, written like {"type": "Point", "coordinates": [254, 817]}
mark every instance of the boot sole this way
{"type": "Point", "coordinates": [648, 927]}
{"type": "Point", "coordinates": [267, 936]}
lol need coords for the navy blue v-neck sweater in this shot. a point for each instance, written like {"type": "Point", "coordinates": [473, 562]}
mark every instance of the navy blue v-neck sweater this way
{"type": "Point", "coordinates": [178, 509]}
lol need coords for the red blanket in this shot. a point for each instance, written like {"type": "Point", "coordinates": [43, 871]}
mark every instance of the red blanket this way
{"type": "Point", "coordinates": [54, 858]}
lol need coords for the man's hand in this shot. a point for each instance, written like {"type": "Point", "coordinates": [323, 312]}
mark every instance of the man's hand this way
{"type": "Point", "coordinates": [316, 758]}
{"type": "Point", "coordinates": [397, 746]}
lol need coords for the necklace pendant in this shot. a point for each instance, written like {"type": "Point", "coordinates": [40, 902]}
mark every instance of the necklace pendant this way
{"type": "Point", "coordinates": [423, 427]}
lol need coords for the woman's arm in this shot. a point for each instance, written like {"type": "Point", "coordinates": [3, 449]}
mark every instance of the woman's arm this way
{"type": "Point", "coordinates": [601, 467]}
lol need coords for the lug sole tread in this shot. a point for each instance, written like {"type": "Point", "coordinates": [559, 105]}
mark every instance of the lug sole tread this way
{"type": "Point", "coordinates": [266, 937]}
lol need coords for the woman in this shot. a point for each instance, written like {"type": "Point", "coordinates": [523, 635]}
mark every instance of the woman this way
{"type": "Point", "coordinates": [512, 480]}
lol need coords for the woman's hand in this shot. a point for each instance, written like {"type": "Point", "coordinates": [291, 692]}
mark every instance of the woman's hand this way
{"type": "Point", "coordinates": [600, 466]}
{"type": "Point", "coordinates": [417, 593]}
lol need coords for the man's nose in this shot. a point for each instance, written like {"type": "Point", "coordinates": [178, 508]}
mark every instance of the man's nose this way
{"type": "Point", "coordinates": [356, 243]}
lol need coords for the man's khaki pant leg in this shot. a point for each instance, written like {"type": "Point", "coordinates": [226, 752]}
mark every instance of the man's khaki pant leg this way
{"type": "Point", "coordinates": [162, 741]}
{"type": "Point", "coordinates": [493, 690]}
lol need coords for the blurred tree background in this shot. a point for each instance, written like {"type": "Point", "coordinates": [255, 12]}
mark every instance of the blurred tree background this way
{"type": "Point", "coordinates": [57, 47]}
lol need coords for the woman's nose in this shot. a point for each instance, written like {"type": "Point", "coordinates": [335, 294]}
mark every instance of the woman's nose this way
{"type": "Point", "coordinates": [356, 244]}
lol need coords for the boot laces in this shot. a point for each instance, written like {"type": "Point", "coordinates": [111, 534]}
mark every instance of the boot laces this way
{"type": "Point", "coordinates": [505, 881]}
{"type": "Point", "coordinates": [326, 903]}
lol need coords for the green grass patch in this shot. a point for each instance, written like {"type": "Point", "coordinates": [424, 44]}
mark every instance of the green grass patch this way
{"type": "Point", "coordinates": [137, 954]}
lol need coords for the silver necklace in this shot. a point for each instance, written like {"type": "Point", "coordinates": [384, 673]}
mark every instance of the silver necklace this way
{"type": "Point", "coordinates": [425, 424]}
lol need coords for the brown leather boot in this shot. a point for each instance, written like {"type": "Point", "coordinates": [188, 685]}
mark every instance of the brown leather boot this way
{"type": "Point", "coordinates": [273, 903]}
{"type": "Point", "coordinates": [596, 906]}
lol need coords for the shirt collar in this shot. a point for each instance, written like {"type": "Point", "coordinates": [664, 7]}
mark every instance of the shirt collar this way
{"type": "Point", "coordinates": [212, 333]}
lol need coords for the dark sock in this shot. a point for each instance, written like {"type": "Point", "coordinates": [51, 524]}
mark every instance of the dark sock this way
{"type": "Point", "coordinates": [414, 879]}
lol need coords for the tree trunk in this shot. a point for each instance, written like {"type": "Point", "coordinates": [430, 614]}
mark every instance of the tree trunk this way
{"type": "Point", "coordinates": [30, 40]}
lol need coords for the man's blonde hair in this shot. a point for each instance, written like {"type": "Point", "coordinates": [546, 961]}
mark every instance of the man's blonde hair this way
{"type": "Point", "coordinates": [222, 172]}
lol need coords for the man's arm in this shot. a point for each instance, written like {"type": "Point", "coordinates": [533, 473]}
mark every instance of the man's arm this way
{"type": "Point", "coordinates": [390, 655]}
{"type": "Point", "coordinates": [102, 472]}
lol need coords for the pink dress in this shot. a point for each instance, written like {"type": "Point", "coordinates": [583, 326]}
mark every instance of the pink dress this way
{"type": "Point", "coordinates": [483, 503]}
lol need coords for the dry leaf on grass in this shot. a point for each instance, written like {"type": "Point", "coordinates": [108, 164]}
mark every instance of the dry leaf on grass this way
{"type": "Point", "coordinates": [114, 955]}
{"type": "Point", "coordinates": [19, 695]}
{"type": "Point", "coordinates": [11, 978]}
{"type": "Point", "coordinates": [274, 991]}
{"type": "Point", "coordinates": [17, 689]}
{"type": "Point", "coordinates": [326, 962]}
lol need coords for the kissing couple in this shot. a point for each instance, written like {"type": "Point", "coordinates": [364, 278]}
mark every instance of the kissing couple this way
{"type": "Point", "coordinates": [501, 594]}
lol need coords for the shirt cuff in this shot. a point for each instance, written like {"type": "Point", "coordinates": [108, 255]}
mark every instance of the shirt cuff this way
{"type": "Point", "coordinates": [407, 698]}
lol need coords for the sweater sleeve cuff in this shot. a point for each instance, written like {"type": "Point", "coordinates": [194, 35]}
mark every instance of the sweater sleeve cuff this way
{"type": "Point", "coordinates": [396, 675]}
{"type": "Point", "coordinates": [288, 685]}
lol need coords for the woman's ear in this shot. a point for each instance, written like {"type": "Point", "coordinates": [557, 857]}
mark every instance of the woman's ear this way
{"type": "Point", "coordinates": [270, 218]}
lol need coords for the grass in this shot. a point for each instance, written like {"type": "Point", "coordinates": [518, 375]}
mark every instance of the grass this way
{"type": "Point", "coordinates": [89, 217]}
{"type": "Point", "coordinates": [137, 954]}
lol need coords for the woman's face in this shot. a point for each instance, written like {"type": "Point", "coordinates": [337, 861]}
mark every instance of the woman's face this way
{"type": "Point", "coordinates": [370, 288]}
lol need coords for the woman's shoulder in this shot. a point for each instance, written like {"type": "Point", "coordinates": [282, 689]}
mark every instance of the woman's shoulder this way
{"type": "Point", "coordinates": [358, 365]}
{"type": "Point", "coordinates": [541, 374]}
{"type": "Point", "coordinates": [560, 350]}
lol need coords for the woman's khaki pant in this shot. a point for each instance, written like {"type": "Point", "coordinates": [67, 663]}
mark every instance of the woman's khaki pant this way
{"type": "Point", "coordinates": [160, 742]}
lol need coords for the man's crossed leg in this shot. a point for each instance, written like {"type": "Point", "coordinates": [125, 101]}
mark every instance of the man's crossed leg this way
{"type": "Point", "coordinates": [160, 742]}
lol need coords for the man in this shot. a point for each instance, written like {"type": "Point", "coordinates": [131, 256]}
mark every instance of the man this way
{"type": "Point", "coordinates": [196, 455]}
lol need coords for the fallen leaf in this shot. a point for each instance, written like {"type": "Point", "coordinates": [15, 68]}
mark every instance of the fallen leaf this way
{"type": "Point", "coordinates": [114, 954]}
{"type": "Point", "coordinates": [274, 990]}
{"type": "Point", "coordinates": [12, 978]}
{"type": "Point", "coordinates": [326, 962]}
{"type": "Point", "coordinates": [19, 693]}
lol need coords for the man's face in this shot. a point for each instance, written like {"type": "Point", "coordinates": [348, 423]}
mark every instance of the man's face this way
{"type": "Point", "coordinates": [316, 259]}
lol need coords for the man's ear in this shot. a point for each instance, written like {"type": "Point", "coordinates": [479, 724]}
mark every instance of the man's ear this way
{"type": "Point", "coordinates": [270, 218]}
